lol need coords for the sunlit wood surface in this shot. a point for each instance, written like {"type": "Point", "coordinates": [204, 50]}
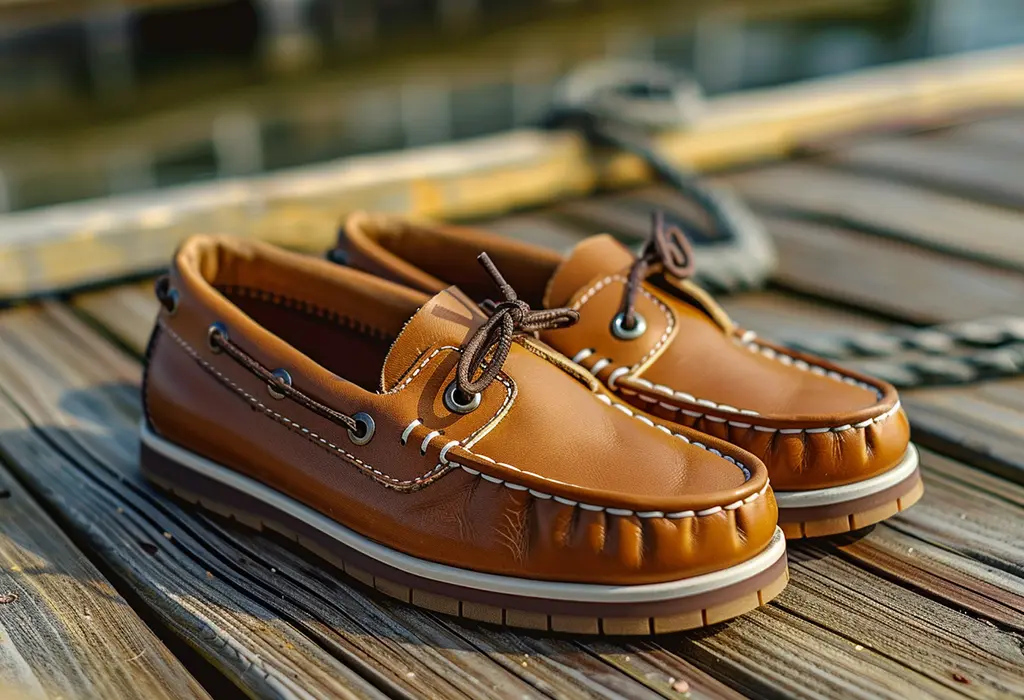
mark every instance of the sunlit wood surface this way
{"type": "Point", "coordinates": [926, 227]}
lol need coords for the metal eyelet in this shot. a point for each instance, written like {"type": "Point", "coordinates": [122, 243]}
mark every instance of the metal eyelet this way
{"type": "Point", "coordinates": [620, 331]}
{"type": "Point", "coordinates": [216, 329]}
{"type": "Point", "coordinates": [452, 403]}
{"type": "Point", "coordinates": [173, 298]}
{"type": "Point", "coordinates": [367, 429]}
{"type": "Point", "coordinates": [283, 378]}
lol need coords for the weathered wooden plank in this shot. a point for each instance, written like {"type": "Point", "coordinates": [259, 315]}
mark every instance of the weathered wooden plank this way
{"type": "Point", "coordinates": [404, 632]}
{"type": "Point", "coordinates": [889, 278]}
{"type": "Point", "coordinates": [774, 652]}
{"type": "Point", "coordinates": [67, 426]}
{"type": "Point", "coordinates": [410, 645]}
{"type": "Point", "coordinates": [982, 172]}
{"type": "Point", "coordinates": [79, 393]}
{"type": "Point", "coordinates": [776, 315]}
{"type": "Point", "coordinates": [74, 244]}
{"type": "Point", "coordinates": [963, 584]}
{"type": "Point", "coordinates": [980, 424]}
{"type": "Point", "coordinates": [894, 210]}
{"type": "Point", "coordinates": [966, 655]}
{"type": "Point", "coordinates": [836, 588]}
{"type": "Point", "coordinates": [991, 531]}
{"type": "Point", "coordinates": [64, 630]}
{"type": "Point", "coordinates": [126, 312]}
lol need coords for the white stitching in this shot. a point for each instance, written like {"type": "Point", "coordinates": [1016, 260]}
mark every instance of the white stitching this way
{"type": "Point", "coordinates": [361, 465]}
{"type": "Point", "coordinates": [419, 369]}
{"type": "Point", "coordinates": [747, 340]}
{"type": "Point", "coordinates": [647, 421]}
{"type": "Point", "coordinates": [670, 319]}
{"type": "Point", "coordinates": [582, 355]}
{"type": "Point", "coordinates": [618, 372]}
{"type": "Point", "coordinates": [444, 451]}
{"type": "Point", "coordinates": [473, 472]}
{"type": "Point", "coordinates": [737, 424]}
{"type": "Point", "coordinates": [408, 431]}
{"type": "Point", "coordinates": [682, 395]}
{"type": "Point", "coordinates": [426, 441]}
{"type": "Point", "coordinates": [614, 376]}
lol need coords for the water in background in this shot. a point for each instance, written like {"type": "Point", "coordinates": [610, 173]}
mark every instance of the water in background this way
{"type": "Point", "coordinates": [144, 95]}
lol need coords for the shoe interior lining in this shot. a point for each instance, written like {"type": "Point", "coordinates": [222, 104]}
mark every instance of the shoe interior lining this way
{"type": "Point", "coordinates": [449, 254]}
{"type": "Point", "coordinates": [345, 320]}
{"type": "Point", "coordinates": [341, 344]}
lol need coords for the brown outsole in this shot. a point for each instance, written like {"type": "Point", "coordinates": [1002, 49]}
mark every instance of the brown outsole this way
{"type": "Point", "coordinates": [721, 605]}
{"type": "Point", "coordinates": [855, 515]}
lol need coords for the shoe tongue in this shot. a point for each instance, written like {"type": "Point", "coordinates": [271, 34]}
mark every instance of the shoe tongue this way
{"type": "Point", "coordinates": [448, 318]}
{"type": "Point", "coordinates": [592, 257]}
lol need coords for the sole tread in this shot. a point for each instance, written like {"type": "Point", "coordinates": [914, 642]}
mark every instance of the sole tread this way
{"type": "Point", "coordinates": [857, 520]}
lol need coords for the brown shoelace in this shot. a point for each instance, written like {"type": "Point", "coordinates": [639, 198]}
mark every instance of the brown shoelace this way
{"type": "Point", "coordinates": [508, 318]}
{"type": "Point", "coordinates": [219, 340]}
{"type": "Point", "coordinates": [667, 247]}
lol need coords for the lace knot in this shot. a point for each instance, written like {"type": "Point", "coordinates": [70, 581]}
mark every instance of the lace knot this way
{"type": "Point", "coordinates": [509, 318]}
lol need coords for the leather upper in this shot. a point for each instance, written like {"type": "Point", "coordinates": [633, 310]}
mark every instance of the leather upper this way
{"type": "Point", "coordinates": [551, 477]}
{"type": "Point", "coordinates": [814, 424]}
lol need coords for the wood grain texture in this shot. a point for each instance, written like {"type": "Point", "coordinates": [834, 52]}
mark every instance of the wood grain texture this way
{"type": "Point", "coordinates": [64, 630]}
{"type": "Point", "coordinates": [888, 278]}
{"type": "Point", "coordinates": [776, 314]}
{"type": "Point", "coordinates": [125, 312]}
{"type": "Point", "coordinates": [849, 604]}
{"type": "Point", "coordinates": [67, 427]}
{"type": "Point", "coordinates": [983, 172]}
{"type": "Point", "coordinates": [981, 424]}
{"type": "Point", "coordinates": [269, 620]}
{"type": "Point", "coordinates": [903, 212]}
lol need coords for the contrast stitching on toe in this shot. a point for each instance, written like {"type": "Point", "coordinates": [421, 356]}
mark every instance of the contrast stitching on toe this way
{"type": "Point", "coordinates": [668, 391]}
{"type": "Point", "coordinates": [445, 465]}
{"type": "Point", "coordinates": [645, 514]}
{"type": "Point", "coordinates": [622, 370]}
{"type": "Point", "coordinates": [747, 341]}
{"type": "Point", "coordinates": [747, 426]}
{"type": "Point", "coordinates": [664, 428]}
{"type": "Point", "coordinates": [670, 319]}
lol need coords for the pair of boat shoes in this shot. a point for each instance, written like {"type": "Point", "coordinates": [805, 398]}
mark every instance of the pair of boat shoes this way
{"type": "Point", "coordinates": [576, 443]}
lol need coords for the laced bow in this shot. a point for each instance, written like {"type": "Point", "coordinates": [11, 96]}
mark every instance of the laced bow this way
{"type": "Point", "coordinates": [667, 247]}
{"type": "Point", "coordinates": [508, 318]}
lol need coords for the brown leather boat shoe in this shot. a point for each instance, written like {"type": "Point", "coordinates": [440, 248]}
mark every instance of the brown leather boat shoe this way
{"type": "Point", "coordinates": [836, 443]}
{"type": "Point", "coordinates": [442, 456]}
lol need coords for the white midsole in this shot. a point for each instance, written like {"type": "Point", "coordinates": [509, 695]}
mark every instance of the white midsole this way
{"type": "Point", "coordinates": [850, 492]}
{"type": "Point", "coordinates": [581, 592]}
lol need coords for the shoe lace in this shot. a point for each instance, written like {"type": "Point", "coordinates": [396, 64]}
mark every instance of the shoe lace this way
{"type": "Point", "coordinates": [509, 318]}
{"type": "Point", "coordinates": [666, 247]}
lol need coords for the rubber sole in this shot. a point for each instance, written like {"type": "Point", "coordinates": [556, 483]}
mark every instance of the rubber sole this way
{"type": "Point", "coordinates": [541, 605]}
{"type": "Point", "coordinates": [840, 509]}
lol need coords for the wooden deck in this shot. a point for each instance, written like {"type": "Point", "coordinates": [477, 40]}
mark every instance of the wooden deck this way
{"type": "Point", "coordinates": [109, 589]}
